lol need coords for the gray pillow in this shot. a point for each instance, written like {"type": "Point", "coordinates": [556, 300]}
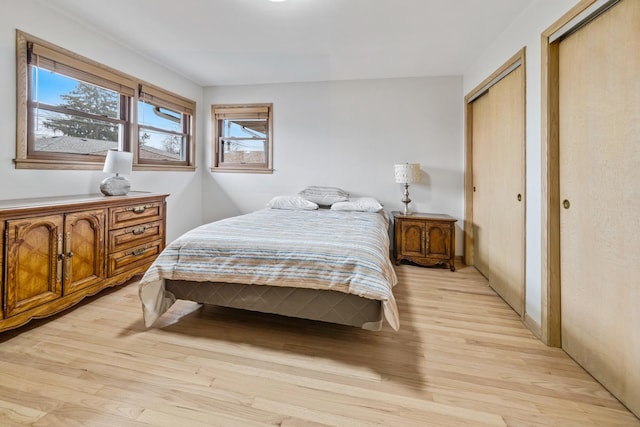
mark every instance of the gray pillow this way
{"type": "Point", "coordinates": [291, 203]}
{"type": "Point", "coordinates": [324, 196]}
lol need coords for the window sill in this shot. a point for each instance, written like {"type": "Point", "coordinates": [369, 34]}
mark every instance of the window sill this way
{"type": "Point", "coordinates": [79, 165]}
{"type": "Point", "coordinates": [242, 170]}
{"type": "Point", "coordinates": [57, 164]}
{"type": "Point", "coordinates": [154, 167]}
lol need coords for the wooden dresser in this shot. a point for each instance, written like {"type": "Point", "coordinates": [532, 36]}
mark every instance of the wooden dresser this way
{"type": "Point", "coordinates": [58, 250]}
{"type": "Point", "coordinates": [425, 239]}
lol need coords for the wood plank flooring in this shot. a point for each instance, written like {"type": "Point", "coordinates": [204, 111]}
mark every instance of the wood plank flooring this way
{"type": "Point", "coordinates": [461, 358]}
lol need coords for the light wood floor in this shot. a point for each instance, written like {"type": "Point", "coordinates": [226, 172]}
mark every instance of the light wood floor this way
{"type": "Point", "coordinates": [461, 357]}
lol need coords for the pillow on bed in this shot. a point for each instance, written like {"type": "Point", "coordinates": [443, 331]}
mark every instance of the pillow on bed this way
{"type": "Point", "coordinates": [363, 204]}
{"type": "Point", "coordinates": [291, 203]}
{"type": "Point", "coordinates": [325, 196]}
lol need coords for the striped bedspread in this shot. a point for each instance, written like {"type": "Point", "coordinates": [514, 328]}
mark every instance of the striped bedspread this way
{"type": "Point", "coordinates": [318, 249]}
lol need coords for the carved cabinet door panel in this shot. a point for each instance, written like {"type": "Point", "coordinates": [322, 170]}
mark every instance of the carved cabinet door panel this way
{"type": "Point", "coordinates": [33, 262]}
{"type": "Point", "coordinates": [84, 245]}
{"type": "Point", "coordinates": [413, 242]}
{"type": "Point", "coordinates": [439, 240]}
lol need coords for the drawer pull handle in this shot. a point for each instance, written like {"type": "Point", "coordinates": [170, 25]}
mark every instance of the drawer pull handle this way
{"type": "Point", "coordinates": [139, 230]}
{"type": "Point", "coordinates": [138, 251]}
{"type": "Point", "coordinates": [139, 209]}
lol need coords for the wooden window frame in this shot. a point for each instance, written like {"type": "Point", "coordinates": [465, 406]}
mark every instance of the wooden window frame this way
{"type": "Point", "coordinates": [161, 98]}
{"type": "Point", "coordinates": [249, 111]}
{"type": "Point", "coordinates": [81, 68]}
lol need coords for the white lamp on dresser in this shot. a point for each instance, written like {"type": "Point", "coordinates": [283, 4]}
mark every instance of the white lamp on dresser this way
{"type": "Point", "coordinates": [117, 162]}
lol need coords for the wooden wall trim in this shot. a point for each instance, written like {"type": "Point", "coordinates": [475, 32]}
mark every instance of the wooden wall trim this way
{"type": "Point", "coordinates": [468, 243]}
{"type": "Point", "coordinates": [515, 58]}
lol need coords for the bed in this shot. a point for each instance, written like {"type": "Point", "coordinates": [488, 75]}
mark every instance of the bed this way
{"type": "Point", "coordinates": [319, 264]}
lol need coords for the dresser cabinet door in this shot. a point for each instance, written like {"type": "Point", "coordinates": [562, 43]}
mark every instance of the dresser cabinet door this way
{"type": "Point", "coordinates": [84, 244]}
{"type": "Point", "coordinates": [34, 269]}
{"type": "Point", "coordinates": [3, 277]}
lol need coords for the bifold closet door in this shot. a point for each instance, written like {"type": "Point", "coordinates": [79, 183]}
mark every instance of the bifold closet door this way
{"type": "Point", "coordinates": [498, 181]}
{"type": "Point", "coordinates": [599, 137]}
{"type": "Point", "coordinates": [482, 131]}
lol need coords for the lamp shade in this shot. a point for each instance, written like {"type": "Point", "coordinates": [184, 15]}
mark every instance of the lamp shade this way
{"type": "Point", "coordinates": [407, 173]}
{"type": "Point", "coordinates": [118, 162]}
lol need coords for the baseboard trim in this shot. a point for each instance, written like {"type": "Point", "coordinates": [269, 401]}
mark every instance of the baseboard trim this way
{"type": "Point", "coordinates": [533, 326]}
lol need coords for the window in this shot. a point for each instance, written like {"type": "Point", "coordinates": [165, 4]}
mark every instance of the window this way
{"type": "Point", "coordinates": [164, 128]}
{"type": "Point", "coordinates": [242, 138]}
{"type": "Point", "coordinates": [71, 117]}
{"type": "Point", "coordinates": [72, 110]}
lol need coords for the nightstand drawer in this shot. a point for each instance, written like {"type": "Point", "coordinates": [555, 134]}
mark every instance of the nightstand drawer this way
{"type": "Point", "coordinates": [126, 216]}
{"type": "Point", "coordinates": [123, 238]}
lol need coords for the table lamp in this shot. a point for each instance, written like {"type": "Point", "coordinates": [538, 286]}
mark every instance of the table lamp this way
{"type": "Point", "coordinates": [117, 162]}
{"type": "Point", "coordinates": [407, 173]}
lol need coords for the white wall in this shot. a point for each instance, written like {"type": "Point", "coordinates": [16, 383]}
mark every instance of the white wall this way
{"type": "Point", "coordinates": [346, 134]}
{"type": "Point", "coordinates": [33, 17]}
{"type": "Point", "coordinates": [526, 31]}
{"type": "Point", "coordinates": [349, 134]}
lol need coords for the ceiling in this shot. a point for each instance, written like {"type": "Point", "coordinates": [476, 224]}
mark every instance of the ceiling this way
{"type": "Point", "coordinates": [230, 42]}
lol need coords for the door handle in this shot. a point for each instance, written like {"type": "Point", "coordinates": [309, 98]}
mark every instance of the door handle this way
{"type": "Point", "coordinates": [60, 258]}
{"type": "Point", "coordinates": [67, 267]}
{"type": "Point", "coordinates": [519, 197]}
{"type": "Point", "coordinates": [566, 204]}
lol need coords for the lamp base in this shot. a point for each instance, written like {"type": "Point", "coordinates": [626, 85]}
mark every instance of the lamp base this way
{"type": "Point", "coordinates": [115, 186]}
{"type": "Point", "coordinates": [406, 200]}
{"type": "Point", "coordinates": [406, 210]}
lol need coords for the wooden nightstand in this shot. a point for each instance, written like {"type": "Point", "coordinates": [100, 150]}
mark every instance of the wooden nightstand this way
{"type": "Point", "coordinates": [425, 239]}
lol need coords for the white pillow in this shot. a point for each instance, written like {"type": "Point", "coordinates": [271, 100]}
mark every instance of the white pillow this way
{"type": "Point", "coordinates": [363, 204]}
{"type": "Point", "coordinates": [325, 196]}
{"type": "Point", "coordinates": [291, 203]}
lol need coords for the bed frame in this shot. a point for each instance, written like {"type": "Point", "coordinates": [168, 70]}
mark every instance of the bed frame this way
{"type": "Point", "coordinates": [315, 304]}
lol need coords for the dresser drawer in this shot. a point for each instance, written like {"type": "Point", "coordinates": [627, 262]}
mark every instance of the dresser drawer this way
{"type": "Point", "coordinates": [126, 216]}
{"type": "Point", "coordinates": [122, 238]}
{"type": "Point", "coordinates": [136, 256]}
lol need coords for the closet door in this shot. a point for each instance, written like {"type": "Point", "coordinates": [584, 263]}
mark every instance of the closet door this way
{"type": "Point", "coordinates": [482, 193]}
{"type": "Point", "coordinates": [498, 184]}
{"type": "Point", "coordinates": [599, 137]}
{"type": "Point", "coordinates": [507, 184]}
